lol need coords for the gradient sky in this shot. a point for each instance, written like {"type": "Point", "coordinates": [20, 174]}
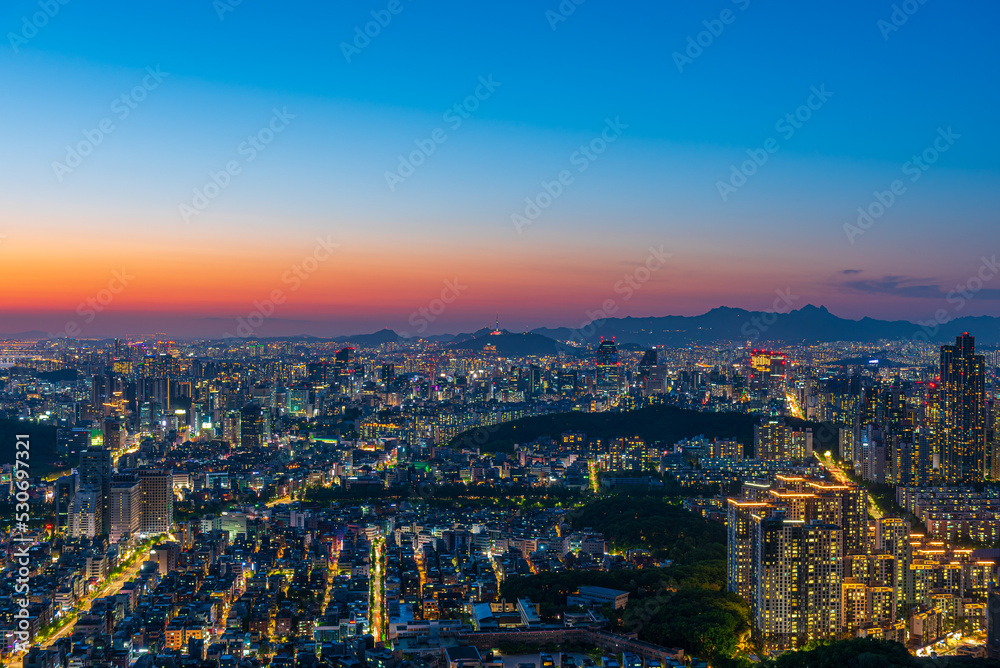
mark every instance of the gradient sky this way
{"type": "Point", "coordinates": [323, 176]}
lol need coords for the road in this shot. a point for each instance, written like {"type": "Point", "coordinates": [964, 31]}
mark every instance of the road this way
{"type": "Point", "coordinates": [378, 605]}
{"type": "Point", "coordinates": [287, 498]}
{"type": "Point", "coordinates": [793, 405]}
{"type": "Point", "coordinates": [842, 478]}
{"type": "Point", "coordinates": [109, 589]}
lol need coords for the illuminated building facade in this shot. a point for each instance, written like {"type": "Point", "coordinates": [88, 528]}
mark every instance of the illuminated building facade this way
{"type": "Point", "coordinates": [608, 369]}
{"type": "Point", "coordinates": [963, 412]}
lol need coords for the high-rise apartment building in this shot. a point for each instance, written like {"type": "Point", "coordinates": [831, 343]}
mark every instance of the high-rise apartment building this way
{"type": "Point", "coordinates": [797, 578]}
{"type": "Point", "coordinates": [774, 440]}
{"type": "Point", "coordinates": [740, 556]}
{"type": "Point", "coordinates": [95, 475]}
{"type": "Point", "coordinates": [962, 400]}
{"type": "Point", "coordinates": [157, 488]}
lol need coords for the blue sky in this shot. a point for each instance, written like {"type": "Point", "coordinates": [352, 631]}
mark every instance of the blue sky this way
{"type": "Point", "coordinates": [558, 83]}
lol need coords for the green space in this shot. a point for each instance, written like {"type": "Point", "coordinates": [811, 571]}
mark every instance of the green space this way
{"type": "Point", "coordinates": [662, 424]}
{"type": "Point", "coordinates": [857, 653]}
{"type": "Point", "coordinates": [42, 439]}
{"type": "Point", "coordinates": [684, 604]}
{"type": "Point", "coordinates": [666, 424]}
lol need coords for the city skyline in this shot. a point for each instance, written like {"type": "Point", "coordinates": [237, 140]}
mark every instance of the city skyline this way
{"type": "Point", "coordinates": [559, 334]}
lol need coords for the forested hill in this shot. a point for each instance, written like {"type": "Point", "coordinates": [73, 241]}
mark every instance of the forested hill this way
{"type": "Point", "coordinates": [664, 424]}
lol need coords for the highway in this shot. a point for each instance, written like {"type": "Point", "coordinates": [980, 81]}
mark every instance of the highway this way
{"type": "Point", "coordinates": [842, 478]}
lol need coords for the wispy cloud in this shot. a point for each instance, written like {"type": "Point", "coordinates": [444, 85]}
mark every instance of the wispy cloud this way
{"type": "Point", "coordinates": [911, 288]}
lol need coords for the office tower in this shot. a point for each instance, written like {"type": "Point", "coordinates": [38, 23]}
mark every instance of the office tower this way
{"type": "Point", "coordinates": [85, 514]}
{"type": "Point", "coordinates": [317, 373]}
{"type": "Point", "coordinates": [65, 492]}
{"type": "Point", "coordinates": [797, 578]}
{"type": "Point", "coordinates": [157, 488]}
{"type": "Point", "coordinates": [231, 428]}
{"type": "Point", "coordinates": [650, 359]}
{"type": "Point", "coordinates": [567, 381]}
{"type": "Point", "coordinates": [100, 393]}
{"type": "Point", "coordinates": [608, 376]}
{"type": "Point", "coordinates": [388, 374]}
{"type": "Point", "coordinates": [534, 380]}
{"type": "Point", "coordinates": [71, 442]}
{"type": "Point", "coordinates": [251, 426]}
{"type": "Point", "coordinates": [767, 372]}
{"type": "Point", "coordinates": [114, 434]}
{"type": "Point", "coordinates": [963, 412]}
{"type": "Point", "coordinates": [125, 507]}
{"type": "Point", "coordinates": [651, 376]}
{"type": "Point", "coordinates": [95, 475]}
{"type": "Point", "coordinates": [345, 358]}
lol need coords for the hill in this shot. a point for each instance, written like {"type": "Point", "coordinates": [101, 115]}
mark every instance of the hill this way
{"type": "Point", "coordinates": [42, 440]}
{"type": "Point", "coordinates": [512, 345]}
{"type": "Point", "coordinates": [808, 324]}
{"type": "Point", "coordinates": [666, 424]}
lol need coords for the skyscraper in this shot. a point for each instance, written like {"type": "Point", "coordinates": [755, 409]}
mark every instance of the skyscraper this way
{"type": "Point", "coordinates": [64, 494]}
{"type": "Point", "coordinates": [114, 434]}
{"type": "Point", "coordinates": [797, 577]}
{"type": "Point", "coordinates": [251, 426]}
{"type": "Point", "coordinates": [125, 506]}
{"type": "Point", "coordinates": [85, 514]}
{"type": "Point", "coordinates": [993, 438]}
{"type": "Point", "coordinates": [95, 476]}
{"type": "Point", "coordinates": [608, 369]}
{"type": "Point", "coordinates": [740, 560]}
{"type": "Point", "coordinates": [157, 490]}
{"type": "Point", "coordinates": [962, 400]}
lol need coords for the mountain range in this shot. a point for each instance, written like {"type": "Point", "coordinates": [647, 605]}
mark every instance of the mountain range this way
{"type": "Point", "coordinates": [809, 324]}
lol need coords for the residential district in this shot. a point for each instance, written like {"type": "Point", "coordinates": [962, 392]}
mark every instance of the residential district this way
{"type": "Point", "coordinates": [299, 503]}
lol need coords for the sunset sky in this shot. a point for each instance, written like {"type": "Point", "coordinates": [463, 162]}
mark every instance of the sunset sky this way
{"type": "Point", "coordinates": [554, 85]}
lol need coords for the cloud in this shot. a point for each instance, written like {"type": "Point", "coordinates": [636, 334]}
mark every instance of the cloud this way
{"type": "Point", "coordinates": [849, 272]}
{"type": "Point", "coordinates": [918, 288]}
